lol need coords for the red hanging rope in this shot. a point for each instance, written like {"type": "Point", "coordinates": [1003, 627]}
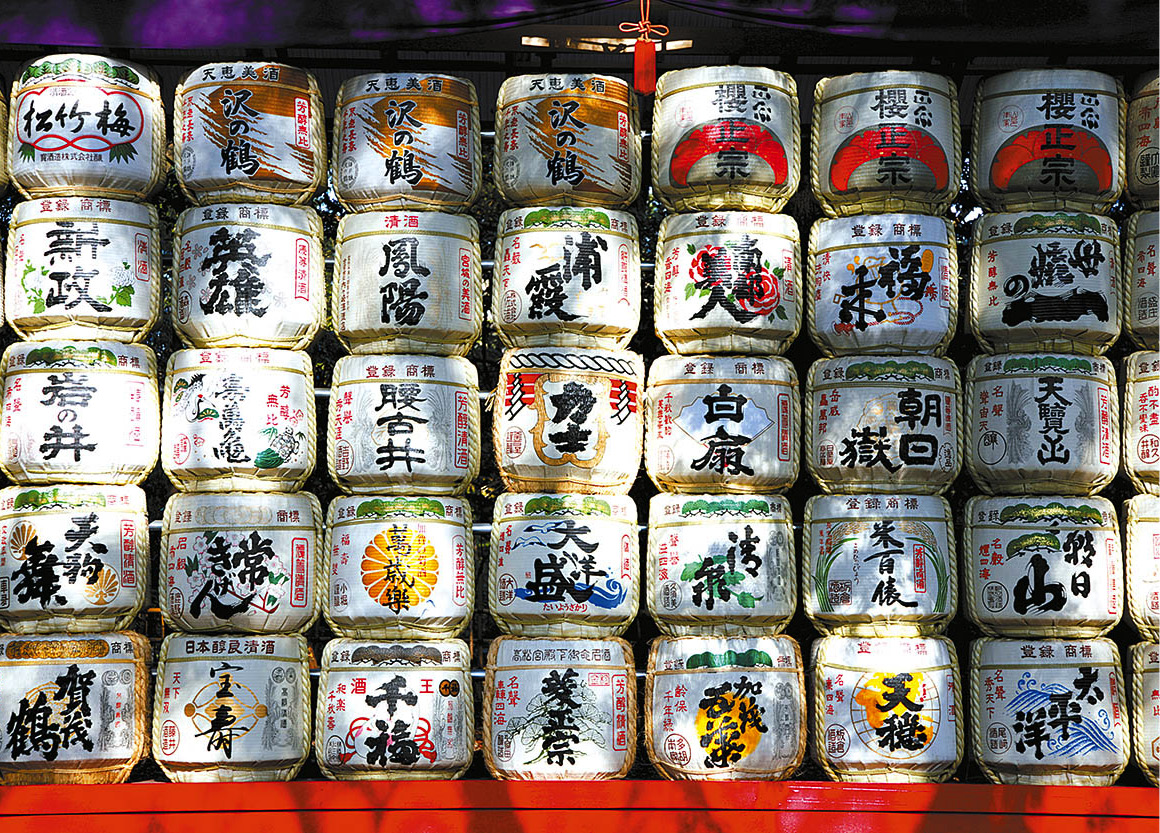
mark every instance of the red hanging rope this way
{"type": "Point", "coordinates": [644, 56]}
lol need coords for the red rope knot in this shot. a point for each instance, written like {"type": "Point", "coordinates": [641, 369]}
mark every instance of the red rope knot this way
{"type": "Point", "coordinates": [643, 27]}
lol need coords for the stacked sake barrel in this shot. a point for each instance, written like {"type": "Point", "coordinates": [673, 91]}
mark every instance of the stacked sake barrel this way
{"type": "Point", "coordinates": [1042, 558]}
{"type": "Point", "coordinates": [563, 581]}
{"type": "Point", "coordinates": [883, 414]}
{"type": "Point", "coordinates": [80, 417]}
{"type": "Point", "coordinates": [395, 698]}
{"type": "Point", "coordinates": [241, 554]}
{"type": "Point", "coordinates": [725, 695]}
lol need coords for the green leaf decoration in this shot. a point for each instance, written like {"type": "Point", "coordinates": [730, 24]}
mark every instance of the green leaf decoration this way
{"type": "Point", "coordinates": [780, 313]}
{"type": "Point", "coordinates": [206, 413]}
{"type": "Point", "coordinates": [278, 578]}
{"type": "Point", "coordinates": [27, 152]}
{"type": "Point", "coordinates": [122, 296]}
{"type": "Point", "coordinates": [269, 432]}
{"type": "Point", "coordinates": [734, 577]}
{"type": "Point", "coordinates": [690, 288]}
{"type": "Point", "coordinates": [690, 570]}
{"type": "Point", "coordinates": [122, 153]}
{"type": "Point", "coordinates": [191, 566]}
{"type": "Point", "coordinates": [268, 459]}
{"type": "Point", "coordinates": [691, 249]}
{"type": "Point", "coordinates": [747, 600]}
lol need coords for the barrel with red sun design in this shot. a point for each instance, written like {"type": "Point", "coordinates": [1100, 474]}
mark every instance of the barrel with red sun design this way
{"type": "Point", "coordinates": [726, 137]}
{"type": "Point", "coordinates": [1049, 139]}
{"type": "Point", "coordinates": [885, 141]}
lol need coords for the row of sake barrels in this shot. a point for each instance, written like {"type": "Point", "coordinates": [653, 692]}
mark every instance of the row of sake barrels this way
{"type": "Point", "coordinates": [571, 420]}
{"type": "Point", "coordinates": [238, 708]}
{"type": "Point", "coordinates": [252, 274]}
{"type": "Point", "coordinates": [725, 137]}
{"type": "Point", "coordinates": [76, 559]}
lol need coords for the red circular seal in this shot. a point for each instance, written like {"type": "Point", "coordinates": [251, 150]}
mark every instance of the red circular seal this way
{"type": "Point", "coordinates": [181, 449]}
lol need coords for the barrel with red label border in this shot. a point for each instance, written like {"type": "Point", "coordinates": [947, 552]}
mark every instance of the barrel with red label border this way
{"type": "Point", "coordinates": [1145, 659]}
{"type": "Point", "coordinates": [1142, 141]}
{"type": "Point", "coordinates": [406, 140]}
{"type": "Point", "coordinates": [1048, 139]}
{"type": "Point", "coordinates": [1140, 443]}
{"type": "Point", "coordinates": [882, 283]}
{"type": "Point", "coordinates": [728, 282]}
{"type": "Point", "coordinates": [83, 267]}
{"type": "Point", "coordinates": [407, 281]}
{"type": "Point", "coordinates": [1140, 285]}
{"type": "Point", "coordinates": [241, 561]}
{"type": "Point", "coordinates": [79, 412]}
{"type": "Point", "coordinates": [1048, 711]}
{"type": "Point", "coordinates": [238, 419]}
{"type": "Point", "coordinates": [726, 137]}
{"type": "Point", "coordinates": [1045, 280]}
{"type": "Point", "coordinates": [591, 682]}
{"type": "Point", "coordinates": [86, 125]}
{"type": "Point", "coordinates": [722, 708]}
{"type": "Point", "coordinates": [1142, 562]}
{"type": "Point", "coordinates": [248, 275]}
{"type": "Point", "coordinates": [73, 559]}
{"type": "Point", "coordinates": [1042, 566]}
{"type": "Point", "coordinates": [249, 131]}
{"type": "Point", "coordinates": [1042, 423]}
{"type": "Point", "coordinates": [567, 139]}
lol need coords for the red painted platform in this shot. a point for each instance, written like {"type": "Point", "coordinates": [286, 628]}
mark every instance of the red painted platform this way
{"type": "Point", "coordinates": [583, 807]}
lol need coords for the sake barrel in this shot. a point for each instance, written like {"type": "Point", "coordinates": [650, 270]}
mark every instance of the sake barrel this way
{"type": "Point", "coordinates": [564, 565]}
{"type": "Point", "coordinates": [403, 424]}
{"type": "Point", "coordinates": [568, 420]}
{"type": "Point", "coordinates": [887, 709]}
{"type": "Point", "coordinates": [725, 708]}
{"type": "Point", "coordinates": [720, 566]}
{"type": "Point", "coordinates": [879, 565]}
{"type": "Point", "coordinates": [726, 137]}
{"type": "Point", "coordinates": [75, 559]}
{"type": "Point", "coordinates": [79, 412]}
{"type": "Point", "coordinates": [248, 131]}
{"type": "Point", "coordinates": [243, 561]}
{"type": "Point", "coordinates": [248, 276]}
{"type": "Point", "coordinates": [399, 567]}
{"type": "Point", "coordinates": [1045, 281]}
{"type": "Point", "coordinates": [566, 139]}
{"type": "Point", "coordinates": [86, 125]}
{"type": "Point", "coordinates": [1145, 701]}
{"type": "Point", "coordinates": [421, 272]}
{"type": "Point", "coordinates": [406, 140]}
{"type": "Point", "coordinates": [1140, 443]}
{"type": "Point", "coordinates": [727, 282]}
{"type": "Point", "coordinates": [1048, 711]}
{"type": "Point", "coordinates": [1042, 566]}
{"type": "Point", "coordinates": [883, 283]}
{"type": "Point", "coordinates": [1142, 562]}
{"type": "Point", "coordinates": [559, 709]}
{"type": "Point", "coordinates": [232, 707]}
{"type": "Point", "coordinates": [238, 418]}
{"type": "Point", "coordinates": [83, 267]}
{"type": "Point", "coordinates": [1042, 423]}
{"type": "Point", "coordinates": [76, 707]}
{"type": "Point", "coordinates": [566, 277]}
{"type": "Point", "coordinates": [722, 424]}
{"type": "Point", "coordinates": [1048, 139]}
{"type": "Point", "coordinates": [394, 711]}
{"type": "Point", "coordinates": [1140, 285]}
{"type": "Point", "coordinates": [884, 424]}
{"type": "Point", "coordinates": [1143, 141]}
{"type": "Point", "coordinates": [885, 141]}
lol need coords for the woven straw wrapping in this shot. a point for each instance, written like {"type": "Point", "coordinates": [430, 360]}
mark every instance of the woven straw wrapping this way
{"type": "Point", "coordinates": [379, 624]}
{"type": "Point", "coordinates": [590, 622]}
{"type": "Point", "coordinates": [738, 194]}
{"type": "Point", "coordinates": [897, 344]}
{"type": "Point", "coordinates": [73, 501]}
{"type": "Point", "coordinates": [413, 198]}
{"type": "Point", "coordinates": [444, 335]}
{"type": "Point", "coordinates": [1142, 562]}
{"type": "Point", "coordinates": [386, 772]}
{"type": "Point", "coordinates": [244, 477]}
{"type": "Point", "coordinates": [739, 771]}
{"type": "Point", "coordinates": [285, 191]}
{"type": "Point", "coordinates": [233, 770]}
{"type": "Point", "coordinates": [1076, 772]}
{"type": "Point", "coordinates": [183, 501]}
{"type": "Point", "coordinates": [896, 772]}
{"type": "Point", "coordinates": [47, 772]}
{"type": "Point", "coordinates": [1139, 234]}
{"type": "Point", "coordinates": [1145, 726]}
{"type": "Point", "coordinates": [104, 179]}
{"type": "Point", "coordinates": [1035, 82]}
{"type": "Point", "coordinates": [835, 205]}
{"type": "Point", "coordinates": [247, 330]}
{"type": "Point", "coordinates": [882, 620]}
{"type": "Point", "coordinates": [566, 772]}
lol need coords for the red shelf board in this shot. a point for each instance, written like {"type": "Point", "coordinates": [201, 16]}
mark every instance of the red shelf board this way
{"type": "Point", "coordinates": [584, 807]}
